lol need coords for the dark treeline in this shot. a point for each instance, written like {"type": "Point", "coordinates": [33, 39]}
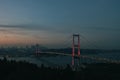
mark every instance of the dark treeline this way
{"type": "Point", "coordinates": [12, 70]}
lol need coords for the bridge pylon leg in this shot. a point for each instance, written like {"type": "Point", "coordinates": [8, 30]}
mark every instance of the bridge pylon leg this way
{"type": "Point", "coordinates": [37, 50]}
{"type": "Point", "coordinates": [76, 46]}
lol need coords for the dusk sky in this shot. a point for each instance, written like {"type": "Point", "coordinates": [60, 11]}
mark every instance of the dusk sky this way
{"type": "Point", "coordinates": [52, 22]}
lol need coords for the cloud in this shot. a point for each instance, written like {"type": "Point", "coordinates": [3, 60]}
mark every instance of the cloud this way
{"type": "Point", "coordinates": [33, 27]}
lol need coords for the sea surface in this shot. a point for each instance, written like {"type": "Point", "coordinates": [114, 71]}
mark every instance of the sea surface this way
{"type": "Point", "coordinates": [60, 60]}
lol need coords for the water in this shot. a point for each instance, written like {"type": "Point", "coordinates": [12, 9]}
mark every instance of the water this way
{"type": "Point", "coordinates": [63, 60]}
{"type": "Point", "coordinates": [48, 61]}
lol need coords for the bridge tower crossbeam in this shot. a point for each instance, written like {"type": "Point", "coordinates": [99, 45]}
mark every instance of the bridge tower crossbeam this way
{"type": "Point", "coordinates": [75, 45]}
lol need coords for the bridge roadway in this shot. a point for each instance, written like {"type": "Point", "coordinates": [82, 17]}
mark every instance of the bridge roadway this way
{"type": "Point", "coordinates": [104, 60]}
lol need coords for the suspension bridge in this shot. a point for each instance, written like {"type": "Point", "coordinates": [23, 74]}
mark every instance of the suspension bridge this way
{"type": "Point", "coordinates": [76, 53]}
{"type": "Point", "coordinates": [75, 42]}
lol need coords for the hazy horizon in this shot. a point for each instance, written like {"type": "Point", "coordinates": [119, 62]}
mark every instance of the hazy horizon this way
{"type": "Point", "coordinates": [52, 23]}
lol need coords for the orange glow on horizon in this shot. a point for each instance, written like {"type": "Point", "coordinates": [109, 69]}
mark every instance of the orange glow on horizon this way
{"type": "Point", "coordinates": [18, 36]}
{"type": "Point", "coordinates": [14, 36]}
{"type": "Point", "coordinates": [11, 39]}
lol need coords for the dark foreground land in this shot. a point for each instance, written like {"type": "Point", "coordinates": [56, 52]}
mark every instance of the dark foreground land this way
{"type": "Point", "coordinates": [12, 70]}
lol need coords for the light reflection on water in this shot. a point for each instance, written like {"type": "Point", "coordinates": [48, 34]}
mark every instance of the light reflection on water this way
{"type": "Point", "coordinates": [63, 60]}
{"type": "Point", "coordinates": [48, 61]}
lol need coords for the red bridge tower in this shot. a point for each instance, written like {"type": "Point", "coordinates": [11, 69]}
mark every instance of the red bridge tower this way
{"type": "Point", "coordinates": [75, 46]}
